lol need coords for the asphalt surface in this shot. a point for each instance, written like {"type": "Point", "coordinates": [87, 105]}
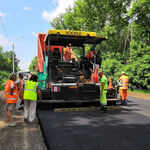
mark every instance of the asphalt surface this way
{"type": "Point", "coordinates": [125, 129]}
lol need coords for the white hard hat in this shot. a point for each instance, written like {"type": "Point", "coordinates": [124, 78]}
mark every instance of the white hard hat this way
{"type": "Point", "coordinates": [122, 72]}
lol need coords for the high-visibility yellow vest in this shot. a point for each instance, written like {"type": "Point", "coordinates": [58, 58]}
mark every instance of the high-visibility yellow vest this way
{"type": "Point", "coordinates": [30, 92]}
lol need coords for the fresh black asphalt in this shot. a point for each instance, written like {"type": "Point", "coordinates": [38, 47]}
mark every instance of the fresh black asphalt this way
{"type": "Point", "coordinates": [125, 129]}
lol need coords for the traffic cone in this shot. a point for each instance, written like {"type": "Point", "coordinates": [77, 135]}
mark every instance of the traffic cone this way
{"type": "Point", "coordinates": [110, 84]}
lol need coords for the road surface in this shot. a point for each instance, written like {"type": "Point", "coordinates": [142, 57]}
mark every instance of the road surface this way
{"type": "Point", "coordinates": [125, 129]}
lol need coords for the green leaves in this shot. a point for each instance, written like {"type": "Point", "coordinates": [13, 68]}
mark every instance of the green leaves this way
{"type": "Point", "coordinates": [138, 67]}
{"type": "Point", "coordinates": [112, 68]}
{"type": "Point", "coordinates": [127, 25]}
{"type": "Point", "coordinates": [33, 63]}
{"type": "Point", "coordinates": [140, 14]}
{"type": "Point", "coordinates": [6, 65]}
{"type": "Point", "coordinates": [3, 77]}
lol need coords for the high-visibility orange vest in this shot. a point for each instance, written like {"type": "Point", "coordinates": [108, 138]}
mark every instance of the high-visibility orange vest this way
{"type": "Point", "coordinates": [94, 76]}
{"type": "Point", "coordinates": [125, 82]}
{"type": "Point", "coordinates": [20, 92]}
{"type": "Point", "coordinates": [90, 54]}
{"type": "Point", "coordinates": [8, 97]}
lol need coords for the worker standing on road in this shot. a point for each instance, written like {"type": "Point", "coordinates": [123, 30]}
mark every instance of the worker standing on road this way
{"type": "Point", "coordinates": [31, 90]}
{"type": "Point", "coordinates": [20, 84]}
{"type": "Point", "coordinates": [124, 88]}
{"type": "Point", "coordinates": [11, 97]}
{"type": "Point", "coordinates": [103, 91]}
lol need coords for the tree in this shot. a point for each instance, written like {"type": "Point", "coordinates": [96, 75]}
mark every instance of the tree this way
{"type": "Point", "coordinates": [138, 67]}
{"type": "Point", "coordinates": [104, 17]}
{"type": "Point", "coordinates": [6, 66]}
{"type": "Point", "coordinates": [3, 59]}
{"type": "Point", "coordinates": [126, 23]}
{"type": "Point", "coordinates": [140, 14]}
{"type": "Point", "coordinates": [58, 22]}
{"type": "Point", "coordinates": [33, 63]}
{"type": "Point", "coordinates": [9, 56]}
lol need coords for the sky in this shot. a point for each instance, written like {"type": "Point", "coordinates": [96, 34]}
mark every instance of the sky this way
{"type": "Point", "coordinates": [21, 20]}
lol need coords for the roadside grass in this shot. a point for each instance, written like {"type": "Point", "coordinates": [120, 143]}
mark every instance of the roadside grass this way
{"type": "Point", "coordinates": [140, 91]}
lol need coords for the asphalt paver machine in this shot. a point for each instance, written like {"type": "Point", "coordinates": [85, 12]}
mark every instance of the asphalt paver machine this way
{"type": "Point", "coordinates": [60, 74]}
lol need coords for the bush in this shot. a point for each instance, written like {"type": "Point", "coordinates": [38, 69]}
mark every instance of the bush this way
{"type": "Point", "coordinates": [112, 68]}
{"type": "Point", "coordinates": [138, 67]}
{"type": "Point", "coordinates": [3, 78]}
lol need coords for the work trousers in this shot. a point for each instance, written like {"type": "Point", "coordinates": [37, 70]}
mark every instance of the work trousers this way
{"type": "Point", "coordinates": [123, 94]}
{"type": "Point", "coordinates": [103, 100]}
{"type": "Point", "coordinates": [30, 109]}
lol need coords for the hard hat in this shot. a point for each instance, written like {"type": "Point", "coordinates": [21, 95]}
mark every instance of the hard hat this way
{"type": "Point", "coordinates": [122, 72]}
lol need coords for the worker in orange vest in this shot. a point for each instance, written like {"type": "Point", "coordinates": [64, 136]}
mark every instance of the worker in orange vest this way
{"type": "Point", "coordinates": [94, 76]}
{"type": "Point", "coordinates": [11, 97]}
{"type": "Point", "coordinates": [124, 88]}
{"type": "Point", "coordinates": [90, 54]}
{"type": "Point", "coordinates": [20, 85]}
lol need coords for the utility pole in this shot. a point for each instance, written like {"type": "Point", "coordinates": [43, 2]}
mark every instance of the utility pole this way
{"type": "Point", "coordinates": [13, 55]}
{"type": "Point", "coordinates": [13, 58]}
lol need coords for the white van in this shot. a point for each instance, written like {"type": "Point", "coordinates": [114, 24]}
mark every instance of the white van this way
{"type": "Point", "coordinates": [25, 74]}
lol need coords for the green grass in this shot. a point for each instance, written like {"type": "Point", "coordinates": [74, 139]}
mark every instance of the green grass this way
{"type": "Point", "coordinates": [140, 91]}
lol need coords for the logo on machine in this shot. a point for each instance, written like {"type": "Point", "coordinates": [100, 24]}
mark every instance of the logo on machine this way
{"type": "Point", "coordinates": [76, 33]}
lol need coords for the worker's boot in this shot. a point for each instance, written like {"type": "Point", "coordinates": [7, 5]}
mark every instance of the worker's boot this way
{"type": "Point", "coordinates": [103, 108]}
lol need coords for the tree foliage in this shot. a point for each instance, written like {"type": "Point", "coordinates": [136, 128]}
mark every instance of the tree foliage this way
{"type": "Point", "coordinates": [33, 63]}
{"type": "Point", "coordinates": [140, 14]}
{"type": "Point", "coordinates": [127, 25]}
{"type": "Point", "coordinates": [6, 65]}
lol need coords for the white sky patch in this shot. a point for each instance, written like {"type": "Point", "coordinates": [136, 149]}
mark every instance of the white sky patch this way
{"type": "Point", "coordinates": [24, 66]}
{"type": "Point", "coordinates": [26, 8]}
{"type": "Point", "coordinates": [54, 1]}
{"type": "Point", "coordinates": [4, 42]}
{"type": "Point", "coordinates": [34, 34]}
{"type": "Point", "coordinates": [2, 14]}
{"type": "Point", "coordinates": [62, 5]}
{"type": "Point", "coordinates": [19, 15]}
